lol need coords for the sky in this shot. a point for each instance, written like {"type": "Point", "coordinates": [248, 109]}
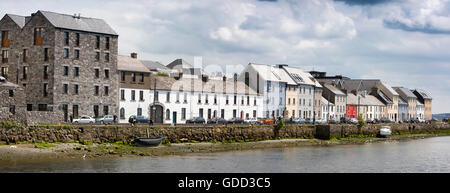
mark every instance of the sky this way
{"type": "Point", "coordinates": [402, 42]}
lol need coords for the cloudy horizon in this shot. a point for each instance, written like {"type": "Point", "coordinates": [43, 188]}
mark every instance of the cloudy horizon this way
{"type": "Point", "coordinates": [402, 42]}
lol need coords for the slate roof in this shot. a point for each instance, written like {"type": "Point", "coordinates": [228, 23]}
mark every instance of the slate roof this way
{"type": "Point", "coordinates": [424, 94]}
{"type": "Point", "coordinates": [272, 73]}
{"type": "Point", "coordinates": [368, 100]}
{"type": "Point", "coordinates": [405, 92]}
{"type": "Point", "coordinates": [401, 101]}
{"type": "Point", "coordinates": [179, 63]}
{"type": "Point", "coordinates": [197, 85]}
{"type": "Point", "coordinates": [153, 65]}
{"type": "Point", "coordinates": [127, 63]}
{"type": "Point", "coordinates": [363, 84]}
{"type": "Point", "coordinates": [325, 101]}
{"type": "Point", "coordinates": [333, 89]}
{"type": "Point", "coordinates": [304, 77]}
{"type": "Point", "coordinates": [19, 20]}
{"type": "Point", "coordinates": [86, 24]}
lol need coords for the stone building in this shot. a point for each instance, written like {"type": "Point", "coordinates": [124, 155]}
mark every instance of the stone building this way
{"type": "Point", "coordinates": [12, 105]}
{"type": "Point", "coordinates": [425, 98]}
{"type": "Point", "coordinates": [67, 64]}
{"type": "Point", "coordinates": [409, 98]}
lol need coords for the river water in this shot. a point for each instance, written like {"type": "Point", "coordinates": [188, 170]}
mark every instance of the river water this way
{"type": "Point", "coordinates": [424, 155]}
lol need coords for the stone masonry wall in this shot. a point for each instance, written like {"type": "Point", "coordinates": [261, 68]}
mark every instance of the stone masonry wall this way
{"type": "Point", "coordinates": [100, 134]}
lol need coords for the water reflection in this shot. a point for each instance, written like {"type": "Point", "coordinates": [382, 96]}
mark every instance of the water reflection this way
{"type": "Point", "coordinates": [425, 155]}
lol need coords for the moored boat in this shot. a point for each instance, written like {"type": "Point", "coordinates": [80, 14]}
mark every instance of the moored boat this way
{"type": "Point", "coordinates": [385, 131]}
{"type": "Point", "coordinates": [148, 142]}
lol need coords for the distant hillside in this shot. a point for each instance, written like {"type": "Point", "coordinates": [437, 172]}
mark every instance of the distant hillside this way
{"type": "Point", "coordinates": [441, 116]}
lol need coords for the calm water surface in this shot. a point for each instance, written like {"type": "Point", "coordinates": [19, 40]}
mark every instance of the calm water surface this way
{"type": "Point", "coordinates": [424, 155]}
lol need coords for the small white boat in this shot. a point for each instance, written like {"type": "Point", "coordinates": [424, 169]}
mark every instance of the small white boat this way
{"type": "Point", "coordinates": [385, 131]}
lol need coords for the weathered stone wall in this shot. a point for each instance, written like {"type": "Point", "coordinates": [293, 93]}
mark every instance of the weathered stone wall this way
{"type": "Point", "coordinates": [43, 117]}
{"type": "Point", "coordinates": [100, 134]}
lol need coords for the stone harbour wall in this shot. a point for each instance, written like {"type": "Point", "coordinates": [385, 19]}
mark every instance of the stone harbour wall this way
{"type": "Point", "coordinates": [104, 134]}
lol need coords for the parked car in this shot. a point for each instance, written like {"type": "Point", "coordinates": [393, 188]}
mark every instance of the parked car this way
{"type": "Point", "coordinates": [106, 119]}
{"type": "Point", "coordinates": [445, 120]}
{"type": "Point", "coordinates": [385, 120]}
{"type": "Point", "coordinates": [236, 120]}
{"type": "Point", "coordinates": [288, 120]}
{"type": "Point", "coordinates": [84, 119]}
{"type": "Point", "coordinates": [354, 121]}
{"type": "Point", "coordinates": [321, 121]}
{"type": "Point", "coordinates": [139, 119]}
{"type": "Point", "coordinates": [299, 120]}
{"type": "Point", "coordinates": [196, 120]}
{"type": "Point", "coordinates": [252, 121]}
{"type": "Point", "coordinates": [216, 120]}
{"type": "Point", "coordinates": [345, 120]}
{"type": "Point", "coordinates": [268, 121]}
{"type": "Point", "coordinates": [309, 121]}
{"type": "Point", "coordinates": [332, 121]}
{"type": "Point", "coordinates": [372, 121]}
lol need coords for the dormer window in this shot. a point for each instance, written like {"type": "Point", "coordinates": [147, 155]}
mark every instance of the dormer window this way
{"type": "Point", "coordinates": [5, 39]}
{"type": "Point", "coordinates": [38, 36]}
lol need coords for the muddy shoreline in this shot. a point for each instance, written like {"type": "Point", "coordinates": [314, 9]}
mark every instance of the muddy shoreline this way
{"type": "Point", "coordinates": [55, 152]}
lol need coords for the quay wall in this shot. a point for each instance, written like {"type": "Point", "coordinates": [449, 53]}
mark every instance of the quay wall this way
{"type": "Point", "coordinates": [126, 133]}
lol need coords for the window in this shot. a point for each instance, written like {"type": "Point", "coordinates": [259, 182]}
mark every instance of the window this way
{"type": "Point", "coordinates": [226, 100]}
{"type": "Point", "coordinates": [29, 107]}
{"type": "Point", "coordinates": [42, 107]}
{"type": "Point", "coordinates": [122, 113]}
{"type": "Point", "coordinates": [25, 55]}
{"type": "Point", "coordinates": [76, 71]}
{"type": "Point", "coordinates": [178, 97]}
{"type": "Point", "coordinates": [254, 113]}
{"type": "Point", "coordinates": [242, 100]}
{"type": "Point", "coordinates": [234, 113]}
{"type": "Point", "coordinates": [12, 109]}
{"type": "Point", "coordinates": [46, 54]}
{"type": "Point", "coordinates": [156, 96]}
{"type": "Point", "coordinates": [222, 113]}
{"type": "Point", "coordinates": [167, 114]}
{"type": "Point", "coordinates": [199, 98]}
{"type": "Point", "coordinates": [107, 73]}
{"type": "Point", "coordinates": [206, 99]}
{"type": "Point", "coordinates": [97, 56]}
{"type": "Point", "coordinates": [141, 95]}
{"type": "Point", "coordinates": [141, 78]}
{"type": "Point", "coordinates": [77, 54]}
{"type": "Point", "coordinates": [65, 88]}
{"type": "Point", "coordinates": [133, 77]}
{"type": "Point", "coordinates": [269, 85]}
{"type": "Point", "coordinates": [293, 101]}
{"type": "Point", "coordinates": [122, 95]}
{"type": "Point", "coordinates": [106, 88]}
{"type": "Point", "coordinates": [66, 52]}
{"type": "Point", "coordinates": [106, 57]}
{"type": "Point", "coordinates": [5, 54]}
{"type": "Point", "coordinates": [77, 39]}
{"type": "Point", "coordinates": [11, 93]}
{"type": "Point", "coordinates": [96, 88]}
{"type": "Point", "coordinates": [97, 73]}
{"type": "Point", "coordinates": [95, 111]}
{"type": "Point", "coordinates": [254, 101]}
{"type": "Point", "coordinates": [107, 43]}
{"type": "Point", "coordinates": [139, 111]}
{"type": "Point", "coordinates": [215, 99]}
{"type": "Point", "coordinates": [122, 76]}
{"type": "Point", "coordinates": [133, 97]}
{"type": "Point", "coordinates": [183, 113]}
{"type": "Point", "coordinates": [248, 100]}
{"type": "Point", "coordinates": [5, 39]}
{"type": "Point", "coordinates": [66, 71]}
{"type": "Point", "coordinates": [38, 36]}
{"type": "Point", "coordinates": [24, 72]}
{"type": "Point", "coordinates": [75, 88]}
{"type": "Point", "coordinates": [185, 97]}
{"type": "Point", "coordinates": [97, 42]}
{"type": "Point", "coordinates": [5, 72]}
{"type": "Point", "coordinates": [235, 99]}
{"type": "Point", "coordinates": [200, 112]}
{"type": "Point", "coordinates": [66, 38]}
{"type": "Point", "coordinates": [45, 89]}
{"type": "Point", "coordinates": [105, 109]}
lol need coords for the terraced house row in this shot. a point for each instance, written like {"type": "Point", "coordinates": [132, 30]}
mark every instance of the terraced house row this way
{"type": "Point", "coordinates": [59, 67]}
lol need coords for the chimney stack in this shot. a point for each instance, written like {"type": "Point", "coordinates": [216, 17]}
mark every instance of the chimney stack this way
{"type": "Point", "coordinates": [134, 55]}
